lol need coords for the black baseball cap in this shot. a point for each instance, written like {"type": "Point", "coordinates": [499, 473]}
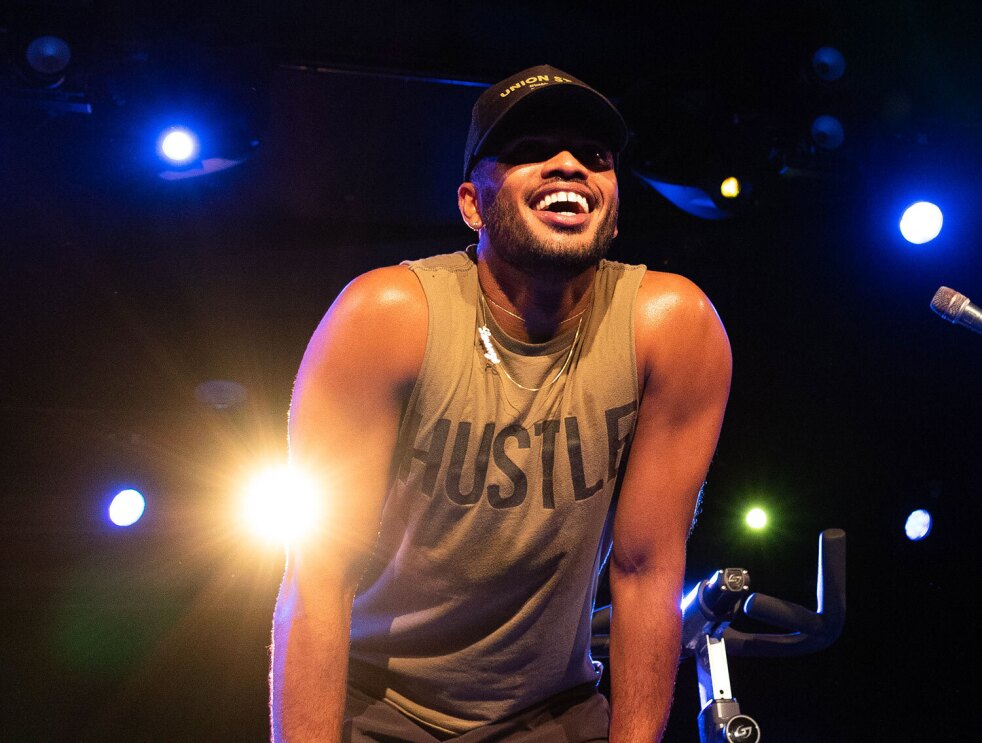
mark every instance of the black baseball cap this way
{"type": "Point", "coordinates": [532, 97]}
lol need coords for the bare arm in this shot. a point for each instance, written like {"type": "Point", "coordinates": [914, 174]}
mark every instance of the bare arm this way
{"type": "Point", "coordinates": [684, 366]}
{"type": "Point", "coordinates": [354, 379]}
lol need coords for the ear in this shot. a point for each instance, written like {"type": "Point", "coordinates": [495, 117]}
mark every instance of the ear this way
{"type": "Point", "coordinates": [467, 203]}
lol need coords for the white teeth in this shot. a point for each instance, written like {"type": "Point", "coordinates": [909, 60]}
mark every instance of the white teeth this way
{"type": "Point", "coordinates": [564, 196]}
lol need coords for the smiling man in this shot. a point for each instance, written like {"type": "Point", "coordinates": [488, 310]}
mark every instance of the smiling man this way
{"type": "Point", "coordinates": [488, 427]}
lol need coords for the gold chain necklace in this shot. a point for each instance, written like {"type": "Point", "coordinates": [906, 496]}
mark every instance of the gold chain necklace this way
{"type": "Point", "coordinates": [484, 333]}
{"type": "Point", "coordinates": [519, 317]}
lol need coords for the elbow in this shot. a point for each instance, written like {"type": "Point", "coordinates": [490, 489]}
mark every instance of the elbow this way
{"type": "Point", "coordinates": [646, 583]}
{"type": "Point", "coordinates": [629, 564]}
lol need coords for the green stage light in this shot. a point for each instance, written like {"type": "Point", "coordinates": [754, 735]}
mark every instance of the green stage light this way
{"type": "Point", "coordinates": [756, 518]}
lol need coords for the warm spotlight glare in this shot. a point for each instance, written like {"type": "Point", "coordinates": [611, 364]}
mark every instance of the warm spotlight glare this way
{"type": "Point", "coordinates": [127, 507]}
{"type": "Point", "coordinates": [730, 188]}
{"type": "Point", "coordinates": [756, 518]}
{"type": "Point", "coordinates": [178, 145]}
{"type": "Point", "coordinates": [918, 525]}
{"type": "Point", "coordinates": [921, 222]}
{"type": "Point", "coordinates": [281, 505]}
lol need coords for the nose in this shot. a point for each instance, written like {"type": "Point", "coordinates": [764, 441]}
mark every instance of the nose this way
{"type": "Point", "coordinates": [564, 165]}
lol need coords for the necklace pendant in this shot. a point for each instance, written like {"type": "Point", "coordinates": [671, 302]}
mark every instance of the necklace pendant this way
{"type": "Point", "coordinates": [489, 353]}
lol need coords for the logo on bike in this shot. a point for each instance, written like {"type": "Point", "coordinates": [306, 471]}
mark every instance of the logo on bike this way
{"type": "Point", "coordinates": [734, 578]}
{"type": "Point", "coordinates": [742, 729]}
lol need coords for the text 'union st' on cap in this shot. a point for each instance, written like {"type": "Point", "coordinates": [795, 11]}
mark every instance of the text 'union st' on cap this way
{"type": "Point", "coordinates": [540, 95]}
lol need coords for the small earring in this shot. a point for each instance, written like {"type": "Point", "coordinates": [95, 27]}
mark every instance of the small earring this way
{"type": "Point", "coordinates": [476, 226]}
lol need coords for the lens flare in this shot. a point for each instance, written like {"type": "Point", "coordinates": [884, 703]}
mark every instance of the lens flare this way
{"type": "Point", "coordinates": [281, 505]}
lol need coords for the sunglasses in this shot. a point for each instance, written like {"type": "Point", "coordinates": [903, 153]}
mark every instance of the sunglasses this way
{"type": "Point", "coordinates": [590, 154]}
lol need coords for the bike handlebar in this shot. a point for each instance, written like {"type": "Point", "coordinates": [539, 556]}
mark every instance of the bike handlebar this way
{"type": "Point", "coordinates": [809, 631]}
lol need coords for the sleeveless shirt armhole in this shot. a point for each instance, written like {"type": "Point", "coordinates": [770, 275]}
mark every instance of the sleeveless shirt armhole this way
{"type": "Point", "coordinates": [626, 269]}
{"type": "Point", "coordinates": [430, 267]}
{"type": "Point", "coordinates": [634, 344]}
{"type": "Point", "coordinates": [427, 352]}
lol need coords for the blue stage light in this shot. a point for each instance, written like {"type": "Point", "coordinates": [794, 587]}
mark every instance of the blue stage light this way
{"type": "Point", "coordinates": [48, 55]}
{"type": "Point", "coordinates": [178, 145]}
{"type": "Point", "coordinates": [918, 525]}
{"type": "Point", "coordinates": [828, 133]}
{"type": "Point", "coordinates": [829, 64]}
{"type": "Point", "coordinates": [691, 595]}
{"type": "Point", "coordinates": [127, 507]}
{"type": "Point", "coordinates": [921, 222]}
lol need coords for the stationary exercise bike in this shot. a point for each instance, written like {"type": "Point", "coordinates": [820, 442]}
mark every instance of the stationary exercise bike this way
{"type": "Point", "coordinates": [711, 606]}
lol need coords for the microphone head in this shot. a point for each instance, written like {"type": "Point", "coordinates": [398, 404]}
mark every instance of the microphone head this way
{"type": "Point", "coordinates": [948, 303]}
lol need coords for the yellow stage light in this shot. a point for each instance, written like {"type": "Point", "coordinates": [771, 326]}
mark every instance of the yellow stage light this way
{"type": "Point", "coordinates": [730, 188]}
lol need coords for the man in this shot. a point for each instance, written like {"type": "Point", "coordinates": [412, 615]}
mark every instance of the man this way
{"type": "Point", "coordinates": [469, 419]}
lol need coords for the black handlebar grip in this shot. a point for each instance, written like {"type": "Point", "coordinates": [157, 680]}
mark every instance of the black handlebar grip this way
{"type": "Point", "coordinates": [812, 630]}
{"type": "Point", "coordinates": [600, 622]}
{"type": "Point", "coordinates": [782, 613]}
{"type": "Point", "coordinates": [831, 588]}
{"type": "Point", "coordinates": [600, 646]}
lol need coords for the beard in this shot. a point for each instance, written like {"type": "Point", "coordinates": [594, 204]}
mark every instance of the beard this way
{"type": "Point", "coordinates": [561, 255]}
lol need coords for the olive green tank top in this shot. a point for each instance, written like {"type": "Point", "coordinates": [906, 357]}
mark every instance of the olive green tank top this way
{"type": "Point", "coordinates": [477, 601]}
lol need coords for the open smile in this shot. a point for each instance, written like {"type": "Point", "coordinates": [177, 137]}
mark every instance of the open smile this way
{"type": "Point", "coordinates": [562, 207]}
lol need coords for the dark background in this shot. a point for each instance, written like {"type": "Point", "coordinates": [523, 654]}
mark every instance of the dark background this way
{"type": "Point", "coordinates": [121, 292]}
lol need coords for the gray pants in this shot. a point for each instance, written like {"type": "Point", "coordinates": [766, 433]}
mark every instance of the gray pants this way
{"type": "Point", "coordinates": [579, 715]}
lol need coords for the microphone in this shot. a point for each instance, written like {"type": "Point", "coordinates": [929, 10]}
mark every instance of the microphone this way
{"type": "Point", "coordinates": [957, 308]}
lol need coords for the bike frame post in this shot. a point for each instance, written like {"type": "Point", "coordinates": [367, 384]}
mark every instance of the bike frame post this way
{"type": "Point", "coordinates": [716, 700]}
{"type": "Point", "coordinates": [720, 720]}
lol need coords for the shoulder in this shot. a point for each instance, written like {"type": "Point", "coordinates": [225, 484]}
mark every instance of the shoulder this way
{"type": "Point", "coordinates": [384, 292]}
{"type": "Point", "coordinates": [677, 326]}
{"type": "Point", "coordinates": [380, 318]}
{"type": "Point", "coordinates": [669, 297]}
